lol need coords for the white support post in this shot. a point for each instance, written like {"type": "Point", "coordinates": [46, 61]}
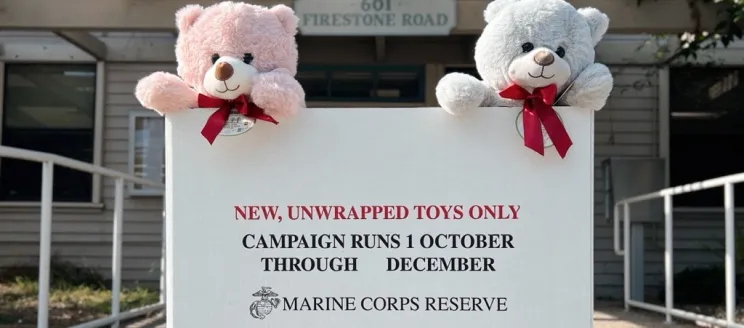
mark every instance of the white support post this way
{"type": "Point", "coordinates": [117, 245]}
{"type": "Point", "coordinates": [45, 243]}
{"type": "Point", "coordinates": [616, 231]}
{"type": "Point", "coordinates": [626, 255]}
{"type": "Point", "coordinates": [637, 262]}
{"type": "Point", "coordinates": [2, 98]}
{"type": "Point", "coordinates": [100, 105]}
{"type": "Point", "coordinates": [664, 118]}
{"type": "Point", "coordinates": [668, 257]}
{"type": "Point", "coordinates": [162, 265]}
{"type": "Point", "coordinates": [730, 226]}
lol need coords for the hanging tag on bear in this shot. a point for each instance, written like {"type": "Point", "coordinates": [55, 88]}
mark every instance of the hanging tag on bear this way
{"type": "Point", "coordinates": [520, 129]}
{"type": "Point", "coordinates": [237, 124]}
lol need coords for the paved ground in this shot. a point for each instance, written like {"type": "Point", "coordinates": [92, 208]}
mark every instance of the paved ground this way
{"type": "Point", "coordinates": [613, 315]}
{"type": "Point", "coordinates": [606, 315]}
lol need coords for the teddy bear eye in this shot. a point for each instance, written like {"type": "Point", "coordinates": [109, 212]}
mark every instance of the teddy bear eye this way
{"type": "Point", "coordinates": [560, 52]}
{"type": "Point", "coordinates": [215, 57]}
{"type": "Point", "coordinates": [247, 58]}
{"type": "Point", "coordinates": [527, 47]}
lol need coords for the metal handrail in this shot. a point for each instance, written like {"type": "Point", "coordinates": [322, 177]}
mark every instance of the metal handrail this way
{"type": "Point", "coordinates": [48, 162]}
{"type": "Point", "coordinates": [687, 188]}
{"type": "Point", "coordinates": [40, 157]}
{"type": "Point", "coordinates": [671, 191]}
{"type": "Point", "coordinates": [727, 182]}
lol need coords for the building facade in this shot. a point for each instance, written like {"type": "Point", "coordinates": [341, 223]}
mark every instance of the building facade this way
{"type": "Point", "coordinates": [68, 81]}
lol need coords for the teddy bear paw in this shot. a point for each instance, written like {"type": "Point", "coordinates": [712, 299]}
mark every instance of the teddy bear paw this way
{"type": "Point", "coordinates": [592, 88]}
{"type": "Point", "coordinates": [165, 92]}
{"type": "Point", "coordinates": [458, 93]}
{"type": "Point", "coordinates": [278, 93]}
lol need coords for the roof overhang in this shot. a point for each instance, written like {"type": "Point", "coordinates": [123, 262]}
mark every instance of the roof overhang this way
{"type": "Point", "coordinates": [141, 47]}
{"type": "Point", "coordinates": [657, 16]}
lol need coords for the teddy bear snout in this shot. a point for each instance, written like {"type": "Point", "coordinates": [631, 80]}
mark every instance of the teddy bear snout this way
{"type": "Point", "coordinates": [544, 58]}
{"type": "Point", "coordinates": [223, 71]}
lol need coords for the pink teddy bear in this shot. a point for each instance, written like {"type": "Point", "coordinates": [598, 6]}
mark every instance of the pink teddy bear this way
{"type": "Point", "coordinates": [226, 51]}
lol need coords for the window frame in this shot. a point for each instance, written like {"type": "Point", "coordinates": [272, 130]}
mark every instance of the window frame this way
{"type": "Point", "coordinates": [132, 191]}
{"type": "Point", "coordinates": [665, 136]}
{"type": "Point", "coordinates": [456, 66]}
{"type": "Point", "coordinates": [374, 70]}
{"type": "Point", "coordinates": [96, 200]}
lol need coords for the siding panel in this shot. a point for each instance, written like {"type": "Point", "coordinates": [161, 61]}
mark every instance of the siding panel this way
{"type": "Point", "coordinates": [627, 126]}
{"type": "Point", "coordinates": [143, 232]}
{"type": "Point", "coordinates": [85, 236]}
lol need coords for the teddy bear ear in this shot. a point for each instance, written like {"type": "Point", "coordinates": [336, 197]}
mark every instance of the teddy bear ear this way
{"type": "Point", "coordinates": [186, 16]}
{"type": "Point", "coordinates": [598, 22]}
{"type": "Point", "coordinates": [287, 17]}
{"type": "Point", "coordinates": [494, 7]}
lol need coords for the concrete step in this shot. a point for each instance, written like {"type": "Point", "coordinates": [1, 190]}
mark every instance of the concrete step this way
{"type": "Point", "coordinates": [154, 321]}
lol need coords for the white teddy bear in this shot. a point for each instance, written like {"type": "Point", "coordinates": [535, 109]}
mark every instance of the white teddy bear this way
{"type": "Point", "coordinates": [533, 44]}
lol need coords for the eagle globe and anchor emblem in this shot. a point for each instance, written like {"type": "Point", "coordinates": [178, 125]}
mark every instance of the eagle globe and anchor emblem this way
{"type": "Point", "coordinates": [262, 308]}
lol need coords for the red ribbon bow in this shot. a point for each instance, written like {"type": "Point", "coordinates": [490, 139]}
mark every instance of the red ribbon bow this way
{"type": "Point", "coordinates": [217, 120]}
{"type": "Point", "coordinates": [537, 111]}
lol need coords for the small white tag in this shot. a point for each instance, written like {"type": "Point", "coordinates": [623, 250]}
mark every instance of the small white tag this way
{"type": "Point", "coordinates": [237, 124]}
{"type": "Point", "coordinates": [546, 139]}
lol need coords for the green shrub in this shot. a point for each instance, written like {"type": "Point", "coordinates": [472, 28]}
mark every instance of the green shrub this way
{"type": "Point", "coordinates": [62, 274]}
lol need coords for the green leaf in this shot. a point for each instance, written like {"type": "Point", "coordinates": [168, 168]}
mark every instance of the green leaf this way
{"type": "Point", "coordinates": [721, 25]}
{"type": "Point", "coordinates": [736, 31]}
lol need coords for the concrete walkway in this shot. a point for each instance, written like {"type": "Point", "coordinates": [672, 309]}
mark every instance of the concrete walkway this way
{"type": "Point", "coordinates": [613, 315]}
{"type": "Point", "coordinates": [606, 315]}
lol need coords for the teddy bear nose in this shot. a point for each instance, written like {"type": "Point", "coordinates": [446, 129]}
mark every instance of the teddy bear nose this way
{"type": "Point", "coordinates": [544, 58]}
{"type": "Point", "coordinates": [223, 71]}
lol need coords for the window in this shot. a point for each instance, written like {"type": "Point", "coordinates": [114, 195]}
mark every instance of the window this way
{"type": "Point", "coordinates": [705, 130]}
{"type": "Point", "coordinates": [471, 70]}
{"type": "Point", "coordinates": [48, 108]}
{"type": "Point", "coordinates": [146, 151]}
{"type": "Point", "coordinates": [368, 84]}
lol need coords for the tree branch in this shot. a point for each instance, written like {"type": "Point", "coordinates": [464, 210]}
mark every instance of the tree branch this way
{"type": "Point", "coordinates": [726, 30]}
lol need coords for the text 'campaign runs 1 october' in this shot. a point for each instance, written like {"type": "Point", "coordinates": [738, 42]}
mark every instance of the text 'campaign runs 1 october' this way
{"type": "Point", "coordinates": [370, 241]}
